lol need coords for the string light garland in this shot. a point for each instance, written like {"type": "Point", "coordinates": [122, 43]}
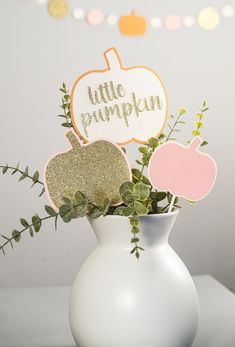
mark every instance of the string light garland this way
{"type": "Point", "coordinates": [208, 17]}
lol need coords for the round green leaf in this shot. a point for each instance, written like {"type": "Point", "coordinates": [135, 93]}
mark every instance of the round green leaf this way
{"type": "Point", "coordinates": [158, 196]}
{"type": "Point", "coordinates": [142, 190]}
{"type": "Point", "coordinates": [126, 186]}
{"type": "Point", "coordinates": [140, 209]}
{"type": "Point", "coordinates": [16, 235]}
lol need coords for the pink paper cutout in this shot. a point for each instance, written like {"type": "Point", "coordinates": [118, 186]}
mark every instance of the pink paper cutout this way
{"type": "Point", "coordinates": [95, 17]}
{"type": "Point", "coordinates": [183, 171]}
{"type": "Point", "coordinates": [172, 22]}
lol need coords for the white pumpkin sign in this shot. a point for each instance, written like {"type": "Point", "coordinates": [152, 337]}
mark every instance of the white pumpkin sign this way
{"type": "Point", "coordinates": [117, 103]}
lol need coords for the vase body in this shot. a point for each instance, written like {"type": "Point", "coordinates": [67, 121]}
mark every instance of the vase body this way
{"type": "Point", "coordinates": [120, 301]}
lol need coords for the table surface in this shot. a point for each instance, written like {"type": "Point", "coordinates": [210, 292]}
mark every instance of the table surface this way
{"type": "Point", "coordinates": [38, 317]}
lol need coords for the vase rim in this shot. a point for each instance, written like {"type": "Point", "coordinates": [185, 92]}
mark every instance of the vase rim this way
{"type": "Point", "coordinates": [156, 215]}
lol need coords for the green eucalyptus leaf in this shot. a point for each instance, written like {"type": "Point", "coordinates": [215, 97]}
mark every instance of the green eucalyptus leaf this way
{"type": "Point", "coordinates": [31, 231]}
{"type": "Point", "coordinates": [134, 221]}
{"type": "Point", "coordinates": [66, 125]}
{"type": "Point", "coordinates": [140, 209]}
{"type": "Point", "coordinates": [22, 177]}
{"type": "Point", "coordinates": [204, 143]}
{"type": "Point", "coordinates": [124, 211]}
{"type": "Point", "coordinates": [161, 136]}
{"type": "Point", "coordinates": [16, 235]}
{"type": "Point", "coordinates": [128, 197]}
{"type": "Point", "coordinates": [126, 186]}
{"type": "Point", "coordinates": [142, 190]}
{"type": "Point", "coordinates": [16, 169]}
{"type": "Point", "coordinates": [182, 111]}
{"type": "Point", "coordinates": [106, 206]}
{"type": "Point", "coordinates": [137, 175]}
{"type": "Point", "coordinates": [143, 150]}
{"type": "Point", "coordinates": [153, 142]}
{"type": "Point", "coordinates": [145, 180]}
{"type": "Point", "coordinates": [137, 253]}
{"type": "Point", "coordinates": [83, 211]}
{"type": "Point", "coordinates": [145, 160]}
{"type": "Point", "coordinates": [56, 221]}
{"type": "Point", "coordinates": [80, 198]}
{"type": "Point", "coordinates": [42, 191]}
{"type": "Point", "coordinates": [24, 222]}
{"type": "Point", "coordinates": [65, 213]}
{"type": "Point", "coordinates": [154, 206]}
{"type": "Point", "coordinates": [35, 176]}
{"type": "Point", "coordinates": [36, 221]}
{"type": "Point", "coordinates": [4, 169]}
{"type": "Point", "coordinates": [95, 212]}
{"type": "Point", "coordinates": [26, 171]}
{"type": "Point", "coordinates": [138, 162]}
{"type": "Point", "coordinates": [135, 229]}
{"type": "Point", "coordinates": [196, 132]}
{"type": "Point", "coordinates": [158, 196]}
{"type": "Point", "coordinates": [134, 239]}
{"type": "Point", "coordinates": [67, 201]}
{"type": "Point", "coordinates": [50, 211]}
{"type": "Point", "coordinates": [133, 250]}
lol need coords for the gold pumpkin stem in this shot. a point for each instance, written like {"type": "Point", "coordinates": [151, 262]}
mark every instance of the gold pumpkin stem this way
{"type": "Point", "coordinates": [73, 139]}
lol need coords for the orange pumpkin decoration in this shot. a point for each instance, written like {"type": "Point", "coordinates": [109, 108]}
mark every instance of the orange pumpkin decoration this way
{"type": "Point", "coordinates": [133, 24]}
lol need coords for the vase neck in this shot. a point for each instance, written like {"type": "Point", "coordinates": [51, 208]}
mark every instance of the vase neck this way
{"type": "Point", "coordinates": [115, 231]}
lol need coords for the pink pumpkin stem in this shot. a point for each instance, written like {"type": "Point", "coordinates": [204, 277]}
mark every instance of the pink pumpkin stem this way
{"type": "Point", "coordinates": [195, 143]}
{"type": "Point", "coordinates": [171, 203]}
{"type": "Point", "coordinates": [113, 60]}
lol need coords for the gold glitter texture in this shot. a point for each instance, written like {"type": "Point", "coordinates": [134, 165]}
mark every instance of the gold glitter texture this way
{"type": "Point", "coordinates": [58, 8]}
{"type": "Point", "coordinates": [97, 169]}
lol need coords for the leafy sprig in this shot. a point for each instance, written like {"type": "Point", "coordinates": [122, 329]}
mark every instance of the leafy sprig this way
{"type": "Point", "coordinates": [138, 196]}
{"type": "Point", "coordinates": [69, 210]}
{"type": "Point", "coordinates": [199, 122]}
{"type": "Point", "coordinates": [174, 126]}
{"type": "Point", "coordinates": [135, 200]}
{"type": "Point", "coordinates": [65, 105]}
{"type": "Point", "coordinates": [23, 175]}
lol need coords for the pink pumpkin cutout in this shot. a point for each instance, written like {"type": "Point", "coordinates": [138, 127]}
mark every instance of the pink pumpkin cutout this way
{"type": "Point", "coordinates": [183, 171]}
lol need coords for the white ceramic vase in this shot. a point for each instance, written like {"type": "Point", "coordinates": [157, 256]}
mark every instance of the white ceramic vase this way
{"type": "Point", "coordinates": [119, 301]}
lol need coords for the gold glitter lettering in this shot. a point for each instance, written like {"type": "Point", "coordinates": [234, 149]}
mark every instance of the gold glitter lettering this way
{"type": "Point", "coordinates": [113, 90]}
{"type": "Point", "coordinates": [86, 121]}
{"type": "Point", "coordinates": [126, 109]}
{"type": "Point", "coordinates": [153, 100]}
{"type": "Point", "coordinates": [121, 91]}
{"type": "Point", "coordinates": [136, 104]}
{"type": "Point", "coordinates": [111, 111]}
{"type": "Point", "coordinates": [107, 92]}
{"type": "Point", "coordinates": [90, 96]}
{"type": "Point", "coordinates": [101, 89]}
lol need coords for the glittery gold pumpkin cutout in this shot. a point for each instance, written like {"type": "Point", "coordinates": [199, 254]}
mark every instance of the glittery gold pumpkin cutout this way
{"type": "Point", "coordinates": [58, 8]}
{"type": "Point", "coordinates": [97, 169]}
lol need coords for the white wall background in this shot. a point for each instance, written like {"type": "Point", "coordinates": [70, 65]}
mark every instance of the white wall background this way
{"type": "Point", "coordinates": [38, 53]}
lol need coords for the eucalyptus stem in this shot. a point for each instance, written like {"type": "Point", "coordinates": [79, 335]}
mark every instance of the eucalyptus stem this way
{"type": "Point", "coordinates": [16, 169]}
{"type": "Point", "coordinates": [16, 236]}
{"type": "Point", "coordinates": [24, 174]}
{"type": "Point", "coordinates": [177, 121]}
{"type": "Point", "coordinates": [135, 229]}
{"type": "Point", "coordinates": [67, 211]}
